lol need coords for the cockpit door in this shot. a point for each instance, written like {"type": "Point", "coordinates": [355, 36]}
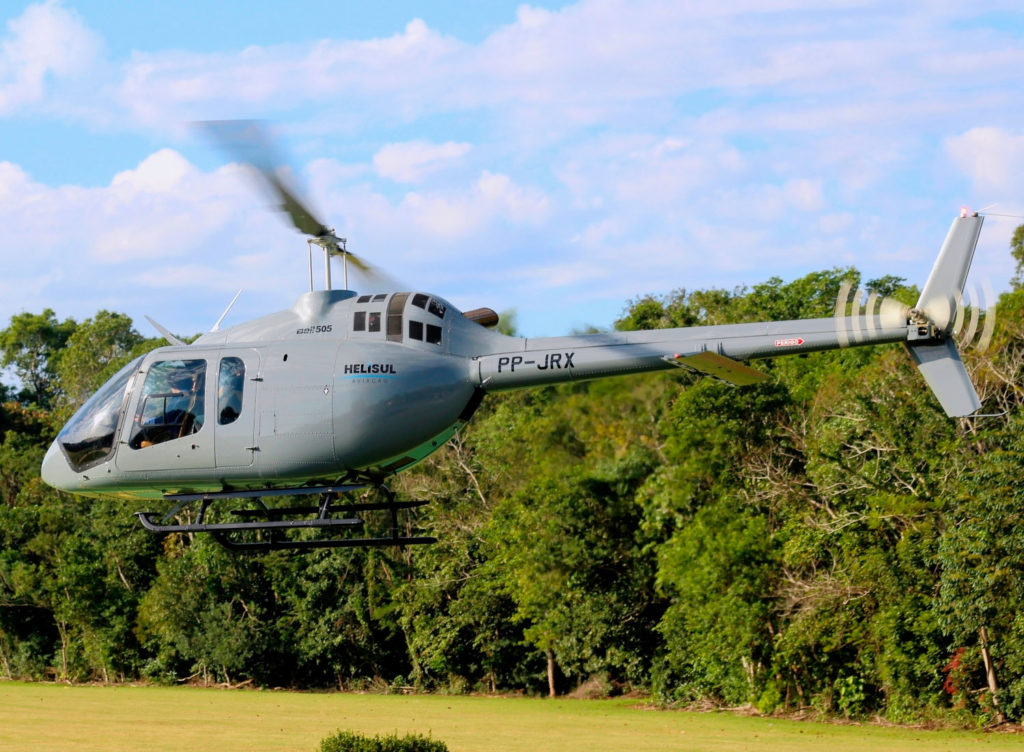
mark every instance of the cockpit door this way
{"type": "Point", "coordinates": [167, 424]}
{"type": "Point", "coordinates": [237, 379]}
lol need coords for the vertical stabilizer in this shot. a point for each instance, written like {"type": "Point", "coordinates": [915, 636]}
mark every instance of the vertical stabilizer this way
{"type": "Point", "coordinates": [937, 357]}
{"type": "Point", "coordinates": [940, 297]}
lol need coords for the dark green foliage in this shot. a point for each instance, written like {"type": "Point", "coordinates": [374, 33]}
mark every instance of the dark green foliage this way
{"type": "Point", "coordinates": [1017, 251]}
{"type": "Point", "coordinates": [31, 345]}
{"type": "Point", "coordinates": [348, 741]}
{"type": "Point", "coordinates": [826, 540]}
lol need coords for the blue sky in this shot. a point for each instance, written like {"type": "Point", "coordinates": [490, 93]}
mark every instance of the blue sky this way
{"type": "Point", "coordinates": [555, 158]}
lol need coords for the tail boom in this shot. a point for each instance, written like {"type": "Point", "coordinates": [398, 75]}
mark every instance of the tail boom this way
{"type": "Point", "coordinates": [718, 350]}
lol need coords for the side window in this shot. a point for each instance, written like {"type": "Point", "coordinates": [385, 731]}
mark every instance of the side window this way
{"type": "Point", "coordinates": [374, 321]}
{"type": "Point", "coordinates": [359, 321]}
{"type": "Point", "coordinates": [433, 334]}
{"type": "Point", "coordinates": [230, 385]}
{"type": "Point", "coordinates": [416, 330]}
{"type": "Point", "coordinates": [172, 403]}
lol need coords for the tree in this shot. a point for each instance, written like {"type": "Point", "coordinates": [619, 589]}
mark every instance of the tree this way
{"type": "Point", "coordinates": [31, 344]}
{"type": "Point", "coordinates": [1017, 251]}
{"type": "Point", "coordinates": [97, 348]}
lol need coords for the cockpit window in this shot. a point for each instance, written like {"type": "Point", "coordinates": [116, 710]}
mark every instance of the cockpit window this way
{"type": "Point", "coordinates": [436, 307]}
{"type": "Point", "coordinates": [88, 437]}
{"type": "Point", "coordinates": [171, 405]}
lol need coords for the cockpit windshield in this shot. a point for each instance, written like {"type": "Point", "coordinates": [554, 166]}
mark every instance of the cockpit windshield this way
{"type": "Point", "coordinates": [88, 437]}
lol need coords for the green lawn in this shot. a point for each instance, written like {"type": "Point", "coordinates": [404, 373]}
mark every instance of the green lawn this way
{"type": "Point", "coordinates": [42, 717]}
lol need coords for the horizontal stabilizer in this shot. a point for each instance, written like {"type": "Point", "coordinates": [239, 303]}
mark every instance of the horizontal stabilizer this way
{"type": "Point", "coordinates": [720, 367]}
{"type": "Point", "coordinates": [945, 373]}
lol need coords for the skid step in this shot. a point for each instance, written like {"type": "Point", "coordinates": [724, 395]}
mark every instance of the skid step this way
{"type": "Point", "coordinates": [273, 512]}
{"type": "Point", "coordinates": [147, 519]}
{"type": "Point", "coordinates": [311, 545]}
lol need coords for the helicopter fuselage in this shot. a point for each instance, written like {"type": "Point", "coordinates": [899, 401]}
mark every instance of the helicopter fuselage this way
{"type": "Point", "coordinates": [323, 391]}
{"type": "Point", "coordinates": [348, 388]}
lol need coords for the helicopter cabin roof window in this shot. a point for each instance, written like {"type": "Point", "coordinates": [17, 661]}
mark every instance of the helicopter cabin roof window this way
{"type": "Point", "coordinates": [420, 300]}
{"type": "Point", "coordinates": [396, 309]}
{"type": "Point", "coordinates": [171, 405]}
{"type": "Point", "coordinates": [364, 298]}
{"type": "Point", "coordinates": [359, 321]}
{"type": "Point", "coordinates": [230, 384]}
{"type": "Point", "coordinates": [379, 297]}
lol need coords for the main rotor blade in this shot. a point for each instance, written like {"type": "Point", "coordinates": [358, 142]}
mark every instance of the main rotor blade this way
{"type": "Point", "coordinates": [249, 141]}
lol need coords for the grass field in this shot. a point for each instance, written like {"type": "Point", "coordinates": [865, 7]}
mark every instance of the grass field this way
{"type": "Point", "coordinates": [43, 717]}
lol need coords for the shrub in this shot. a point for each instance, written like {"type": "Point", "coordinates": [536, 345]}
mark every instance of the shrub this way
{"type": "Point", "coordinates": [348, 741]}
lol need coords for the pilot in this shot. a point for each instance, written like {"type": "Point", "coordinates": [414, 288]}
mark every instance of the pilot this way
{"type": "Point", "coordinates": [185, 392]}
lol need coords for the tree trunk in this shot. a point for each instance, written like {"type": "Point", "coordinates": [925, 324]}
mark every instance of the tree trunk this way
{"type": "Point", "coordinates": [63, 632]}
{"type": "Point", "coordinates": [551, 673]}
{"type": "Point", "coordinates": [990, 673]}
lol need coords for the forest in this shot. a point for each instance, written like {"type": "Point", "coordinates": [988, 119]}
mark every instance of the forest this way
{"type": "Point", "coordinates": [826, 541]}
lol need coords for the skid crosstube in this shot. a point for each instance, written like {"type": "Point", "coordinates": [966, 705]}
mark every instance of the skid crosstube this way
{"type": "Point", "coordinates": [271, 520]}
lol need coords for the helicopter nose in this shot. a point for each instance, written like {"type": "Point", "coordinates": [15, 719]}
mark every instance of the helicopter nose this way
{"type": "Point", "coordinates": [56, 472]}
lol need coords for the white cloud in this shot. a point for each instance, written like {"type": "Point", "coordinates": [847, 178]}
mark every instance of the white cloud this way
{"type": "Point", "coordinates": [835, 222]}
{"type": "Point", "coordinates": [46, 41]}
{"type": "Point", "coordinates": [468, 211]}
{"type": "Point", "coordinates": [804, 194]}
{"type": "Point", "coordinates": [400, 72]}
{"type": "Point", "coordinates": [412, 161]}
{"type": "Point", "coordinates": [161, 172]}
{"type": "Point", "coordinates": [992, 157]}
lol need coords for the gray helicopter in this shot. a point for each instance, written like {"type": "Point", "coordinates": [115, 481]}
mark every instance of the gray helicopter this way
{"type": "Point", "coordinates": [343, 391]}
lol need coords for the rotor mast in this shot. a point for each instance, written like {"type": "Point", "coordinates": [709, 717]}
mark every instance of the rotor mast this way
{"type": "Point", "coordinates": [329, 243]}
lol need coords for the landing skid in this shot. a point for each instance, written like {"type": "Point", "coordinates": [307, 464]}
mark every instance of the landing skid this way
{"type": "Point", "coordinates": [271, 527]}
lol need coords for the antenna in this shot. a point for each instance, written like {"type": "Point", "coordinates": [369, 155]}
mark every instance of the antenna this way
{"type": "Point", "coordinates": [216, 327]}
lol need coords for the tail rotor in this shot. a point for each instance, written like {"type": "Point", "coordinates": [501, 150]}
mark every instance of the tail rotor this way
{"type": "Point", "coordinates": [936, 324]}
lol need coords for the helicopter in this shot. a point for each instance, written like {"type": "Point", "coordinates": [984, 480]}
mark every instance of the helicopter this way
{"type": "Point", "coordinates": [345, 390]}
